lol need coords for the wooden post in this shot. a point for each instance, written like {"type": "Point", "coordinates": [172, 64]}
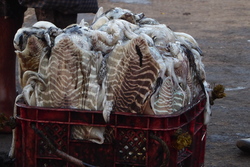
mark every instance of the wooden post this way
{"type": "Point", "coordinates": [8, 28]}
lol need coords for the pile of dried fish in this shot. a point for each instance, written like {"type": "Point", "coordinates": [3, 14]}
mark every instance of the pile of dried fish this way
{"type": "Point", "coordinates": [122, 62]}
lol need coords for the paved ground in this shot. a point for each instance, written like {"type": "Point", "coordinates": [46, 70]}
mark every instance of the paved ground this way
{"type": "Point", "coordinates": [222, 30]}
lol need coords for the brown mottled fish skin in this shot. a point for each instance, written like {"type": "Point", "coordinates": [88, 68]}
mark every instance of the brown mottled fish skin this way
{"type": "Point", "coordinates": [29, 58]}
{"type": "Point", "coordinates": [131, 75]}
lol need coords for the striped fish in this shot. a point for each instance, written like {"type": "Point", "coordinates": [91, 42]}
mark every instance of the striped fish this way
{"type": "Point", "coordinates": [92, 99]}
{"type": "Point", "coordinates": [91, 133]}
{"type": "Point", "coordinates": [66, 76]}
{"type": "Point", "coordinates": [131, 75]}
{"type": "Point", "coordinates": [178, 99]}
{"type": "Point", "coordinates": [163, 99]}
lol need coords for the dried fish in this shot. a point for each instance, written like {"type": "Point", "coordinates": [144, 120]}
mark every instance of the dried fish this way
{"type": "Point", "coordinates": [122, 62]}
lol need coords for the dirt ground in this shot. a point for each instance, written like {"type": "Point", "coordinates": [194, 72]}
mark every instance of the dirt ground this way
{"type": "Point", "coordinates": [222, 29]}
